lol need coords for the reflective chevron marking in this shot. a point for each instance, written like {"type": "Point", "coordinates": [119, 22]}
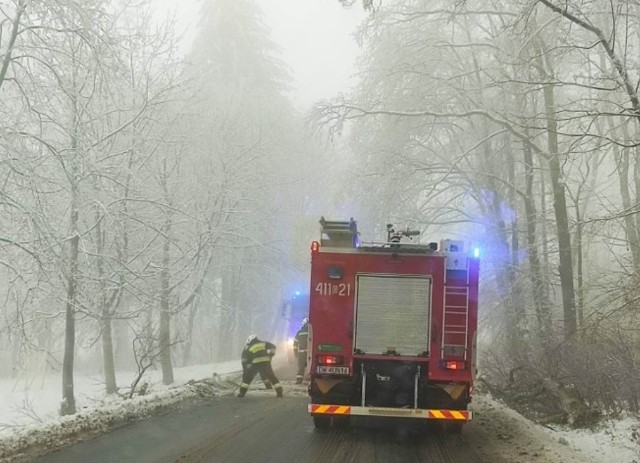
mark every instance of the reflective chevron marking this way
{"type": "Point", "coordinates": [330, 409]}
{"type": "Point", "coordinates": [451, 415]}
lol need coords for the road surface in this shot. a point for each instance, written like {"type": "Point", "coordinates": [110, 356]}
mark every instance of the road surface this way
{"type": "Point", "coordinates": [265, 429]}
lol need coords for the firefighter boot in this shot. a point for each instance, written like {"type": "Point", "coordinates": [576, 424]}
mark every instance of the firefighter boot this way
{"type": "Point", "coordinates": [299, 379]}
{"type": "Point", "coordinates": [243, 391]}
{"type": "Point", "coordinates": [267, 384]}
{"type": "Point", "coordinates": [278, 389]}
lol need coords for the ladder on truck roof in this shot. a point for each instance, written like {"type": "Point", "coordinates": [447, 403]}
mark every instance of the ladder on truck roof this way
{"type": "Point", "coordinates": [338, 233]}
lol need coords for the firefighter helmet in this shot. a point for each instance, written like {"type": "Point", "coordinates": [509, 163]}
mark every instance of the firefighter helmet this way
{"type": "Point", "coordinates": [251, 338]}
{"type": "Point", "coordinates": [305, 320]}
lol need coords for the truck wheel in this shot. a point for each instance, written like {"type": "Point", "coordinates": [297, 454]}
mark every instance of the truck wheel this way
{"type": "Point", "coordinates": [321, 422]}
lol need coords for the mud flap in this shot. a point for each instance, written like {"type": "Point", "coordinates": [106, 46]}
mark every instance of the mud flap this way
{"type": "Point", "coordinates": [325, 385]}
{"type": "Point", "coordinates": [454, 390]}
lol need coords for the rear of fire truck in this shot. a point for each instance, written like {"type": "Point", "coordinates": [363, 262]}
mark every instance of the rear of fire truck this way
{"type": "Point", "coordinates": [392, 327]}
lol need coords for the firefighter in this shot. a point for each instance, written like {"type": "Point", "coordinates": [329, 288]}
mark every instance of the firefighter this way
{"type": "Point", "coordinates": [256, 358]}
{"type": "Point", "coordinates": [300, 349]}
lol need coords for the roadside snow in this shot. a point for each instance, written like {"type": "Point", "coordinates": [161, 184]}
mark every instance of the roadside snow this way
{"type": "Point", "coordinates": [612, 440]}
{"type": "Point", "coordinates": [500, 434]}
{"type": "Point", "coordinates": [29, 420]}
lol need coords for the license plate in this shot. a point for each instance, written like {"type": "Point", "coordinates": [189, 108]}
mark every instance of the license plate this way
{"type": "Point", "coordinates": [332, 370]}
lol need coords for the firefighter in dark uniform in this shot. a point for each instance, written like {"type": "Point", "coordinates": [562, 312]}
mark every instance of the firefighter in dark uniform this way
{"type": "Point", "coordinates": [256, 358]}
{"type": "Point", "coordinates": [300, 349]}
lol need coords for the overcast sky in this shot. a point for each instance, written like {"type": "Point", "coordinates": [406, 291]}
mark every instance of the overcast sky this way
{"type": "Point", "coordinates": [316, 38]}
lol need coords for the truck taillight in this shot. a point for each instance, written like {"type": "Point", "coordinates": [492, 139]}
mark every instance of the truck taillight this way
{"type": "Point", "coordinates": [315, 246]}
{"type": "Point", "coordinates": [454, 365]}
{"type": "Point", "coordinates": [329, 359]}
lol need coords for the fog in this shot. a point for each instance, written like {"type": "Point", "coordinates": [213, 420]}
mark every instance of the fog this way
{"type": "Point", "coordinates": [164, 165]}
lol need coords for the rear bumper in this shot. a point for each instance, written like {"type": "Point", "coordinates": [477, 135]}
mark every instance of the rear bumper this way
{"type": "Point", "coordinates": [431, 414]}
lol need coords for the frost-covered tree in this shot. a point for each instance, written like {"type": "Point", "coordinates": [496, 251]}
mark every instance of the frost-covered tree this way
{"type": "Point", "coordinates": [79, 104]}
{"type": "Point", "coordinates": [242, 152]}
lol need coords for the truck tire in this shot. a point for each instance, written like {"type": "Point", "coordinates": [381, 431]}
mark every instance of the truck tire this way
{"type": "Point", "coordinates": [321, 422]}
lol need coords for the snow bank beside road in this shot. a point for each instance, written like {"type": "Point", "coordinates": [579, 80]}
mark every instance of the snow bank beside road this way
{"type": "Point", "coordinates": [35, 400]}
{"type": "Point", "coordinates": [500, 434]}
{"type": "Point", "coordinates": [30, 423]}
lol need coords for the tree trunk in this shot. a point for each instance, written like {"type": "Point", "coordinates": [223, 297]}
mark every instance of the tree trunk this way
{"type": "Point", "coordinates": [574, 409]}
{"type": "Point", "coordinates": [105, 306]}
{"type": "Point", "coordinates": [194, 306]}
{"type": "Point", "coordinates": [636, 179]}
{"type": "Point", "coordinates": [165, 314]}
{"type": "Point", "coordinates": [564, 237]}
{"type": "Point", "coordinates": [622, 167]}
{"type": "Point", "coordinates": [543, 223]}
{"type": "Point", "coordinates": [563, 233]}
{"type": "Point", "coordinates": [559, 202]}
{"type": "Point", "coordinates": [540, 299]}
{"type": "Point", "coordinates": [106, 324]}
{"type": "Point", "coordinates": [165, 346]}
{"type": "Point", "coordinates": [579, 266]}
{"type": "Point", "coordinates": [122, 338]}
{"type": "Point", "coordinates": [518, 303]}
{"type": "Point", "coordinates": [68, 406]}
{"type": "Point", "coordinates": [122, 351]}
{"type": "Point", "coordinates": [107, 354]}
{"type": "Point", "coordinates": [228, 315]}
{"type": "Point", "coordinates": [193, 310]}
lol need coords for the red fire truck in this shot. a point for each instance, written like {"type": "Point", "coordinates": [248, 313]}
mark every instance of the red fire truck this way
{"type": "Point", "coordinates": [392, 327]}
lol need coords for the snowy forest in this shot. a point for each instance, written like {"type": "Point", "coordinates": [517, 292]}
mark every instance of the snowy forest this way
{"type": "Point", "coordinates": [155, 203]}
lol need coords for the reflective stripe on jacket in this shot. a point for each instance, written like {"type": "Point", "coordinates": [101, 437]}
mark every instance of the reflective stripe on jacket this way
{"type": "Point", "coordinates": [302, 336]}
{"type": "Point", "coordinates": [258, 352]}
